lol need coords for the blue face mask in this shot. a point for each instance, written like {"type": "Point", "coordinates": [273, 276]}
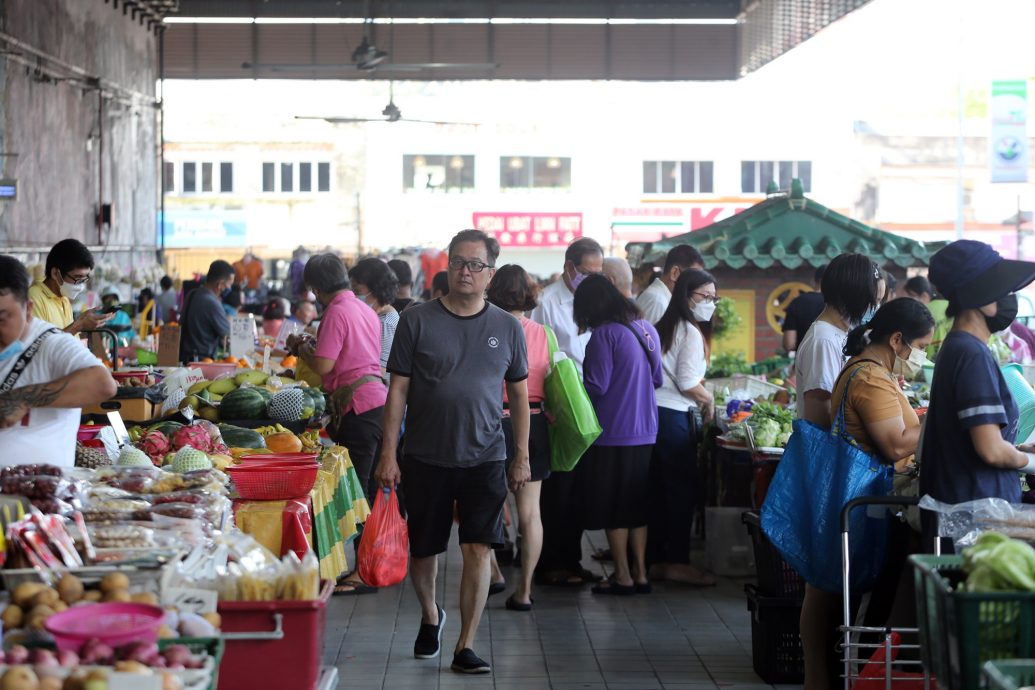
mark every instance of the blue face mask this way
{"type": "Point", "coordinates": [12, 350]}
{"type": "Point", "coordinates": [225, 293]}
{"type": "Point", "coordinates": [868, 316]}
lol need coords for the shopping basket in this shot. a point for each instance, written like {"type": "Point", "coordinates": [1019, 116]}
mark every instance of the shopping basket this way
{"type": "Point", "coordinates": [876, 665]}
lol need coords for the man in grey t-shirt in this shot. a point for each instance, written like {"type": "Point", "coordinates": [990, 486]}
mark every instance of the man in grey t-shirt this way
{"type": "Point", "coordinates": [449, 360]}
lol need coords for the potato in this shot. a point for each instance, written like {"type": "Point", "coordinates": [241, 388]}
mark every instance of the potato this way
{"type": "Point", "coordinates": [12, 617]}
{"type": "Point", "coordinates": [19, 678]}
{"type": "Point", "coordinates": [50, 683]}
{"type": "Point", "coordinates": [41, 610]}
{"type": "Point", "coordinates": [45, 597]}
{"type": "Point", "coordinates": [144, 598]}
{"type": "Point", "coordinates": [214, 618]}
{"type": "Point", "coordinates": [118, 595]}
{"type": "Point", "coordinates": [35, 621]}
{"type": "Point", "coordinates": [114, 581]}
{"type": "Point", "coordinates": [133, 667]}
{"type": "Point", "coordinates": [60, 606]}
{"type": "Point", "coordinates": [24, 592]}
{"type": "Point", "coordinates": [70, 589]}
{"type": "Point", "coordinates": [92, 595]}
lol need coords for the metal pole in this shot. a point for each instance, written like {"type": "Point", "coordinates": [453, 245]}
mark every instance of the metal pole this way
{"type": "Point", "coordinates": [161, 143]}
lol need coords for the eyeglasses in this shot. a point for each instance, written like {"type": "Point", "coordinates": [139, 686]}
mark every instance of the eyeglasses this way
{"type": "Point", "coordinates": [77, 281]}
{"type": "Point", "coordinates": [714, 299]}
{"type": "Point", "coordinates": [472, 266]}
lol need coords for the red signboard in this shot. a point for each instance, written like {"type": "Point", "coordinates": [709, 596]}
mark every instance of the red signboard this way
{"type": "Point", "coordinates": [531, 229]}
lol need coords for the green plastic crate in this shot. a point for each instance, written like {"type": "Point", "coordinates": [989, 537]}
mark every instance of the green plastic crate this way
{"type": "Point", "coordinates": [960, 631]}
{"type": "Point", "coordinates": [213, 646]}
{"type": "Point", "coordinates": [1011, 674]}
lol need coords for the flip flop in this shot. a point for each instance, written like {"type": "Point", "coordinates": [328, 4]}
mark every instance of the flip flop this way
{"type": "Point", "coordinates": [643, 587]}
{"type": "Point", "coordinates": [518, 606]}
{"type": "Point", "coordinates": [611, 587]}
{"type": "Point", "coordinates": [345, 588]}
{"type": "Point", "coordinates": [497, 587]}
{"type": "Point", "coordinates": [559, 578]}
{"type": "Point", "coordinates": [589, 576]}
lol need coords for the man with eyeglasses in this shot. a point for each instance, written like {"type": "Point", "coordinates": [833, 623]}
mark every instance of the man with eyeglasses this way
{"type": "Point", "coordinates": [68, 269]}
{"type": "Point", "coordinates": [449, 360]}
{"type": "Point", "coordinates": [653, 301]}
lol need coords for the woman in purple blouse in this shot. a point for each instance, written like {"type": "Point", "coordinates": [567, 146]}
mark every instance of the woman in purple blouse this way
{"type": "Point", "coordinates": [621, 370]}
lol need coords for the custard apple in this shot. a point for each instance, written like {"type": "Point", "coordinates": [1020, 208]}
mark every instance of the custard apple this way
{"type": "Point", "coordinates": [188, 459]}
{"type": "Point", "coordinates": [133, 457]}
{"type": "Point", "coordinates": [287, 405]}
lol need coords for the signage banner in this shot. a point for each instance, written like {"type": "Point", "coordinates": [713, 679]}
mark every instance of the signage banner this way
{"type": "Point", "coordinates": [531, 230]}
{"type": "Point", "coordinates": [204, 228]}
{"type": "Point", "coordinates": [1008, 137]}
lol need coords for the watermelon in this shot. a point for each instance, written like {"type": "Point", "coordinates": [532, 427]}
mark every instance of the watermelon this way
{"type": "Point", "coordinates": [265, 393]}
{"type": "Point", "coordinates": [238, 437]}
{"type": "Point", "coordinates": [316, 401]}
{"type": "Point", "coordinates": [243, 403]}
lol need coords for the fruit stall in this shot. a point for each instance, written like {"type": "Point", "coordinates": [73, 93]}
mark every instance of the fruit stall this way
{"type": "Point", "coordinates": [194, 544]}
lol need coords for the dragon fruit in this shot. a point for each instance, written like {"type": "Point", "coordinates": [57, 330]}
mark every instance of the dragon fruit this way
{"type": "Point", "coordinates": [195, 436]}
{"type": "Point", "coordinates": [155, 444]}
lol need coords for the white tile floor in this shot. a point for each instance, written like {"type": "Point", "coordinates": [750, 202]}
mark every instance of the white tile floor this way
{"type": "Point", "coordinates": [677, 638]}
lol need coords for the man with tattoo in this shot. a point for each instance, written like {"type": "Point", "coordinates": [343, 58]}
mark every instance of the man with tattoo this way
{"type": "Point", "coordinates": [46, 375]}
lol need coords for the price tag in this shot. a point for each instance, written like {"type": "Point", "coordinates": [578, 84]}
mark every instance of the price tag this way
{"type": "Point", "coordinates": [197, 601]}
{"type": "Point", "coordinates": [266, 359]}
{"type": "Point", "coordinates": [242, 335]}
{"type": "Point", "coordinates": [169, 346]}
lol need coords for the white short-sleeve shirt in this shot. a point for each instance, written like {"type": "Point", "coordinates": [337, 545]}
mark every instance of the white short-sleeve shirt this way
{"type": "Point", "coordinates": [683, 368]}
{"type": "Point", "coordinates": [653, 301]}
{"type": "Point", "coordinates": [557, 310]}
{"type": "Point", "coordinates": [819, 360]}
{"type": "Point", "coordinates": [49, 435]}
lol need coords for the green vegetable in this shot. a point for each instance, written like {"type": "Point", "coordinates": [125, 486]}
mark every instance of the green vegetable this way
{"type": "Point", "coordinates": [997, 563]}
{"type": "Point", "coordinates": [727, 364]}
{"type": "Point", "coordinates": [981, 548]}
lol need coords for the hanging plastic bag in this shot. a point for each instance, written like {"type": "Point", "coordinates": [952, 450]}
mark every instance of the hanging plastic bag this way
{"type": "Point", "coordinates": [573, 421]}
{"type": "Point", "coordinates": [384, 552]}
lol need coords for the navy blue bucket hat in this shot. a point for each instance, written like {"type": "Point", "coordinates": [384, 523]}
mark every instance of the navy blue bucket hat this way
{"type": "Point", "coordinates": [971, 274]}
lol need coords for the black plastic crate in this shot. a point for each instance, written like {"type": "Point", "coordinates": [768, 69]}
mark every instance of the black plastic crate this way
{"type": "Point", "coordinates": [776, 577]}
{"type": "Point", "coordinates": [776, 653]}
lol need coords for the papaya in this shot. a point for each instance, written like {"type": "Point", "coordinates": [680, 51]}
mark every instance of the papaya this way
{"type": "Point", "coordinates": [283, 442]}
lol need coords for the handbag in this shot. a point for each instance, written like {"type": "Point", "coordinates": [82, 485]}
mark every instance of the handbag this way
{"type": "Point", "coordinates": [820, 471]}
{"type": "Point", "coordinates": [572, 421]}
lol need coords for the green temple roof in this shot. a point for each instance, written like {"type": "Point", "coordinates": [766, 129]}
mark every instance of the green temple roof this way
{"type": "Point", "coordinates": [789, 230]}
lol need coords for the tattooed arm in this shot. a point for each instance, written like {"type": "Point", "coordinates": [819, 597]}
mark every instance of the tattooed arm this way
{"type": "Point", "coordinates": [82, 388]}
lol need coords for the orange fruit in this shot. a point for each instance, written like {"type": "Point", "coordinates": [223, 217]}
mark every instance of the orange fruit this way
{"type": "Point", "coordinates": [206, 360]}
{"type": "Point", "coordinates": [242, 364]}
{"type": "Point", "coordinates": [289, 362]}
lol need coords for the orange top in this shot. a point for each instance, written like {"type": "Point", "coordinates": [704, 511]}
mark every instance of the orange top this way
{"type": "Point", "coordinates": [251, 272]}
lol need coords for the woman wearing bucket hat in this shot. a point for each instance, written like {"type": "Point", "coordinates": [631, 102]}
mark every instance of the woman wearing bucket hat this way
{"type": "Point", "coordinates": [968, 448]}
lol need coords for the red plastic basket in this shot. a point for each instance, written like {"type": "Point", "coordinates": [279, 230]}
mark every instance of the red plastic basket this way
{"type": "Point", "coordinates": [114, 624]}
{"type": "Point", "coordinates": [274, 482]}
{"type": "Point", "coordinates": [281, 458]}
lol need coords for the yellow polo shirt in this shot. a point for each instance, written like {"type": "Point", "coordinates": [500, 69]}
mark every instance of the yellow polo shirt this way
{"type": "Point", "coordinates": [57, 309]}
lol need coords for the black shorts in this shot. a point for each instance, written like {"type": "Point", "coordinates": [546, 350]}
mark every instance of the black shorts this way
{"type": "Point", "coordinates": [479, 493]}
{"type": "Point", "coordinates": [538, 445]}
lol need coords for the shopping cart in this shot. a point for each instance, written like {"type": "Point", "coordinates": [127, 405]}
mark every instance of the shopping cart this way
{"type": "Point", "coordinates": [873, 665]}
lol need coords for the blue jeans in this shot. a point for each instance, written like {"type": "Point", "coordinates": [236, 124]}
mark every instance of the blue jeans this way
{"type": "Point", "coordinates": [674, 489]}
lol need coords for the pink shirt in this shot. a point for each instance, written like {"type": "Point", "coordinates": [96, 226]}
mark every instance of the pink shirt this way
{"type": "Point", "coordinates": [350, 334]}
{"type": "Point", "coordinates": [538, 360]}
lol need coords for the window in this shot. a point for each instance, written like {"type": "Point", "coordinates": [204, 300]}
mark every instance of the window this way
{"type": "Point", "coordinates": [206, 177]}
{"type": "Point", "coordinates": [226, 177]}
{"type": "Point", "coordinates": [683, 177]}
{"type": "Point", "coordinates": [190, 180]}
{"type": "Point", "coordinates": [431, 172]}
{"type": "Point", "coordinates": [287, 182]}
{"type": "Point", "coordinates": [540, 172]}
{"type": "Point", "coordinates": [268, 183]}
{"type": "Point", "coordinates": [323, 176]}
{"type": "Point", "coordinates": [168, 176]}
{"type": "Point", "coordinates": [305, 177]}
{"type": "Point", "coordinates": [755, 176]}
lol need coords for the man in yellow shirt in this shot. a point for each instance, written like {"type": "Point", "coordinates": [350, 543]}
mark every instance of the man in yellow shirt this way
{"type": "Point", "coordinates": [68, 269]}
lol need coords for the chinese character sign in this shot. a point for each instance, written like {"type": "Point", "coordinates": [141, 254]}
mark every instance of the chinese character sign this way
{"type": "Point", "coordinates": [1008, 139]}
{"type": "Point", "coordinates": [531, 229]}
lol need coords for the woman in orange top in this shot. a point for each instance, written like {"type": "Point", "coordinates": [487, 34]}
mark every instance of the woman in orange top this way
{"type": "Point", "coordinates": [512, 290]}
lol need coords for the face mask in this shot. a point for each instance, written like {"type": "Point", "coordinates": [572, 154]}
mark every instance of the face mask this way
{"type": "Point", "coordinates": [908, 368]}
{"type": "Point", "coordinates": [12, 350]}
{"type": "Point", "coordinates": [72, 291]}
{"type": "Point", "coordinates": [703, 311]}
{"type": "Point", "coordinates": [225, 293]}
{"type": "Point", "coordinates": [1005, 313]}
{"type": "Point", "coordinates": [868, 316]}
{"type": "Point", "coordinates": [577, 279]}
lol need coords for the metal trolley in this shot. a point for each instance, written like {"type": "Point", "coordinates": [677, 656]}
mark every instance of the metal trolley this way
{"type": "Point", "coordinates": [875, 665]}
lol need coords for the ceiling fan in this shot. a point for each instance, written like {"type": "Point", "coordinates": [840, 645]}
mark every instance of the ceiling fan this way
{"type": "Point", "coordinates": [367, 57]}
{"type": "Point", "coordinates": [391, 113]}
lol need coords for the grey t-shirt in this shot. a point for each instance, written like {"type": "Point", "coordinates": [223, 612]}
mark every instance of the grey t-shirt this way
{"type": "Point", "coordinates": [456, 365]}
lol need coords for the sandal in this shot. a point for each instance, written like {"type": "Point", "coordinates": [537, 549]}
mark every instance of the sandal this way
{"type": "Point", "coordinates": [610, 586]}
{"type": "Point", "coordinates": [643, 587]}
{"type": "Point", "coordinates": [497, 587]}
{"type": "Point", "coordinates": [561, 578]}
{"type": "Point", "coordinates": [347, 588]}
{"type": "Point", "coordinates": [589, 576]}
{"type": "Point", "coordinates": [518, 606]}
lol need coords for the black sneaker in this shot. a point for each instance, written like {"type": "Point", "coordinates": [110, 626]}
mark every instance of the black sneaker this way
{"type": "Point", "coordinates": [429, 638]}
{"type": "Point", "coordinates": [466, 661]}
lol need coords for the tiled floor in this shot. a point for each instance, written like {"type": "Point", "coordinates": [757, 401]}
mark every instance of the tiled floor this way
{"type": "Point", "coordinates": [676, 638]}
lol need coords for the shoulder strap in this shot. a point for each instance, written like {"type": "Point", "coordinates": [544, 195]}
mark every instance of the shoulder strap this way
{"type": "Point", "coordinates": [640, 340]}
{"type": "Point", "coordinates": [24, 359]}
{"type": "Point", "coordinates": [551, 344]}
{"type": "Point", "coordinates": [839, 420]}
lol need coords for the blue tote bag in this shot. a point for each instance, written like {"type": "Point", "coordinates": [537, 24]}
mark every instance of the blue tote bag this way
{"type": "Point", "coordinates": [821, 470]}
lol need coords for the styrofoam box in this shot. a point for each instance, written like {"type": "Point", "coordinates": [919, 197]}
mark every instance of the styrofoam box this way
{"type": "Point", "coordinates": [727, 545]}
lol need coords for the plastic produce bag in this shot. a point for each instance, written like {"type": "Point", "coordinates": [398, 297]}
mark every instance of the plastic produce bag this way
{"type": "Point", "coordinates": [573, 421]}
{"type": "Point", "coordinates": [819, 473]}
{"type": "Point", "coordinates": [385, 549]}
{"type": "Point", "coordinates": [965, 522]}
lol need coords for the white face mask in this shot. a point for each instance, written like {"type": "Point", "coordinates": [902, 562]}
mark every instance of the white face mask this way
{"type": "Point", "coordinates": [703, 311]}
{"type": "Point", "coordinates": [72, 291]}
{"type": "Point", "coordinates": [908, 368]}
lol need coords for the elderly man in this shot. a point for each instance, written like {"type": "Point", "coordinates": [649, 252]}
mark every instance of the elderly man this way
{"type": "Point", "coordinates": [46, 375]}
{"type": "Point", "coordinates": [620, 274]}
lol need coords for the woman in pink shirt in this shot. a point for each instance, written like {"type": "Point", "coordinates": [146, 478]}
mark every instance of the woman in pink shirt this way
{"type": "Point", "coordinates": [512, 290]}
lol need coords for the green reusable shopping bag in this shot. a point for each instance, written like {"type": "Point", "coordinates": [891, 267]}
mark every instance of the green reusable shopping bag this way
{"type": "Point", "coordinates": [573, 424]}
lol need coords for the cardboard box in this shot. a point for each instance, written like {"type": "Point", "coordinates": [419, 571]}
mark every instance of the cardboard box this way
{"type": "Point", "coordinates": [131, 409]}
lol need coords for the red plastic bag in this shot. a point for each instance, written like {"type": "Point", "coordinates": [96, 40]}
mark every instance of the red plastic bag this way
{"type": "Point", "coordinates": [384, 551]}
{"type": "Point", "coordinates": [872, 676]}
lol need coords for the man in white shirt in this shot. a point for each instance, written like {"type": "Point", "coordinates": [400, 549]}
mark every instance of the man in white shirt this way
{"type": "Point", "coordinates": [46, 376]}
{"type": "Point", "coordinates": [583, 257]}
{"type": "Point", "coordinates": [654, 300]}
{"type": "Point", "coordinates": [560, 562]}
